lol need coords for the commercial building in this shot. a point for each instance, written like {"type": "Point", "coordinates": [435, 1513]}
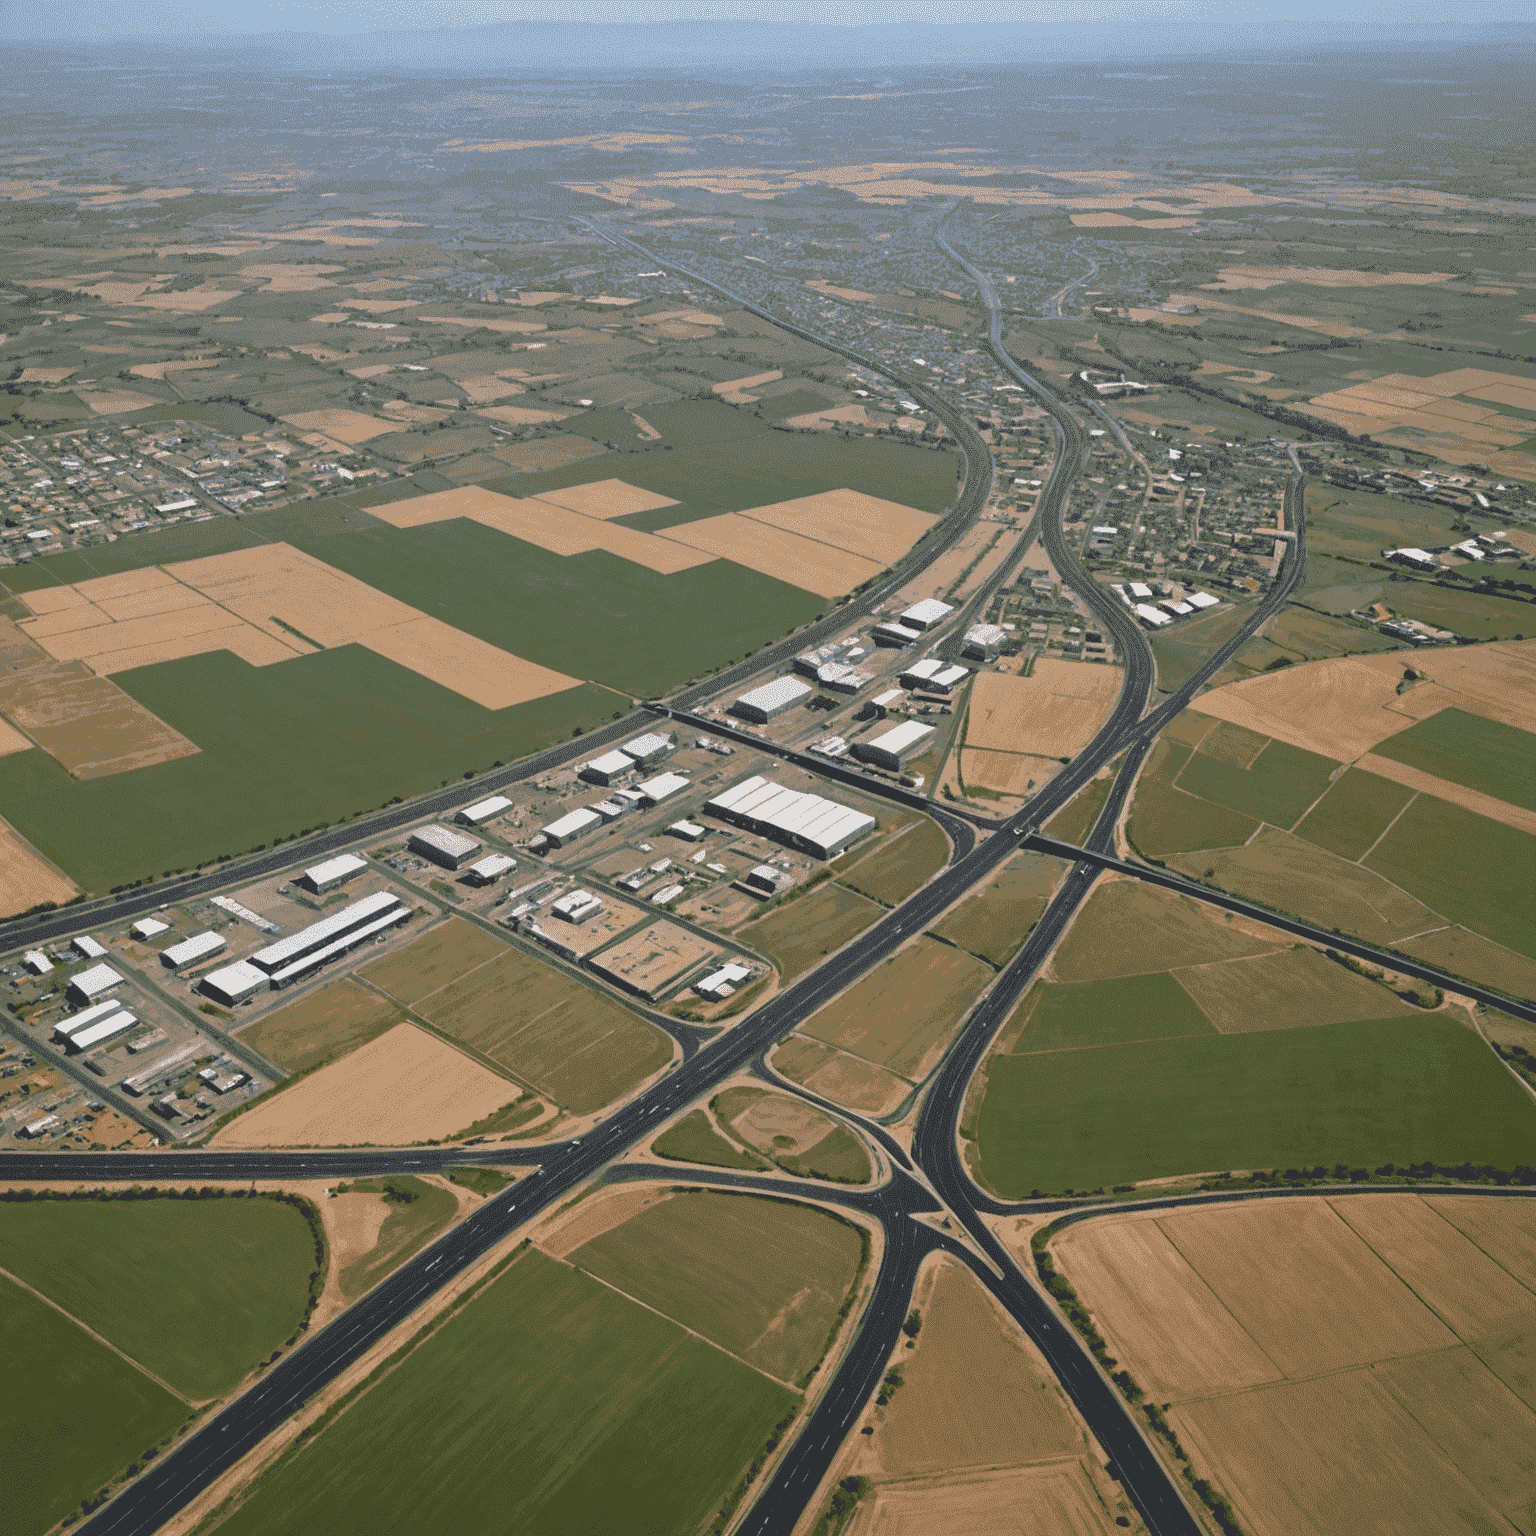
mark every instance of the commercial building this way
{"type": "Point", "coordinates": [302, 953]}
{"type": "Point", "coordinates": [763, 704]}
{"type": "Point", "coordinates": [662, 787]}
{"type": "Point", "coordinates": [837, 677]}
{"type": "Point", "coordinates": [926, 614]}
{"type": "Point", "coordinates": [611, 810]}
{"type": "Point", "coordinates": [689, 831]}
{"type": "Point", "coordinates": [1416, 559]}
{"type": "Point", "coordinates": [648, 750]}
{"type": "Point", "coordinates": [1201, 599]}
{"type": "Point", "coordinates": [576, 906]}
{"type": "Point", "coordinates": [569, 827]}
{"type": "Point", "coordinates": [489, 870]}
{"type": "Point", "coordinates": [193, 951]}
{"type": "Point", "coordinates": [442, 846]}
{"type": "Point", "coordinates": [233, 984]}
{"type": "Point", "coordinates": [91, 984]}
{"type": "Point", "coordinates": [148, 927]}
{"type": "Point", "coordinates": [719, 985]}
{"type": "Point", "coordinates": [102, 1030]}
{"type": "Point", "coordinates": [767, 879]}
{"type": "Point", "coordinates": [808, 822]}
{"type": "Point", "coordinates": [87, 947]}
{"type": "Point", "coordinates": [890, 749]}
{"type": "Point", "coordinates": [894, 633]}
{"type": "Point", "coordinates": [879, 707]}
{"type": "Point", "coordinates": [333, 873]}
{"type": "Point", "coordinates": [1153, 618]}
{"type": "Point", "coordinates": [933, 675]}
{"type": "Point", "coordinates": [608, 769]}
{"type": "Point", "coordinates": [67, 1027]}
{"type": "Point", "coordinates": [483, 810]}
{"type": "Point", "coordinates": [37, 962]}
{"type": "Point", "coordinates": [983, 641]}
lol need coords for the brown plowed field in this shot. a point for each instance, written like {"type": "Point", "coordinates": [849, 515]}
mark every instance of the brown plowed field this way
{"type": "Point", "coordinates": [1052, 713]}
{"type": "Point", "coordinates": [819, 568]}
{"type": "Point", "coordinates": [878, 530]}
{"type": "Point", "coordinates": [406, 1086]}
{"type": "Point", "coordinates": [1009, 773]}
{"type": "Point", "coordinates": [839, 1077]}
{"type": "Point", "coordinates": [603, 499]}
{"type": "Point", "coordinates": [1458, 794]}
{"type": "Point", "coordinates": [321, 1027]}
{"type": "Point", "coordinates": [1052, 1500]}
{"type": "Point", "coordinates": [25, 877]}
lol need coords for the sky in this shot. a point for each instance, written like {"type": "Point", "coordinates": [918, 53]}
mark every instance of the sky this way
{"type": "Point", "coordinates": [102, 18]}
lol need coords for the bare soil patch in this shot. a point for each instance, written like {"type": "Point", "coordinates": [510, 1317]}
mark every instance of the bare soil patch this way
{"type": "Point", "coordinates": [342, 425]}
{"type": "Point", "coordinates": [1052, 713]}
{"type": "Point", "coordinates": [1009, 773]}
{"type": "Point", "coordinates": [1285, 990]}
{"type": "Point", "coordinates": [1052, 1500]}
{"type": "Point", "coordinates": [26, 878]}
{"type": "Point", "coordinates": [839, 1077]}
{"type": "Point", "coordinates": [321, 1027]}
{"type": "Point", "coordinates": [406, 1086]}
{"type": "Point", "coordinates": [598, 1213]}
{"type": "Point", "coordinates": [777, 1123]}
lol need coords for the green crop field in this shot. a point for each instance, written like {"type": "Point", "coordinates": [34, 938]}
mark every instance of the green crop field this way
{"type": "Point", "coordinates": [1065, 1016]}
{"type": "Point", "coordinates": [898, 867]}
{"type": "Point", "coordinates": [1403, 1090]}
{"type": "Point", "coordinates": [1168, 820]}
{"type": "Point", "coordinates": [994, 921]}
{"type": "Point", "coordinates": [548, 1405]}
{"type": "Point", "coordinates": [1282, 782]}
{"type": "Point", "coordinates": [197, 1291]}
{"type": "Point", "coordinates": [1356, 810]}
{"type": "Point", "coordinates": [1470, 869]}
{"type": "Point", "coordinates": [76, 1414]}
{"type": "Point", "coordinates": [838, 1156]}
{"type": "Point", "coordinates": [283, 748]}
{"type": "Point", "coordinates": [1180, 655]}
{"type": "Point", "coordinates": [762, 1278]}
{"type": "Point", "coordinates": [694, 1140]}
{"type": "Point", "coordinates": [1485, 755]}
{"type": "Point", "coordinates": [797, 935]}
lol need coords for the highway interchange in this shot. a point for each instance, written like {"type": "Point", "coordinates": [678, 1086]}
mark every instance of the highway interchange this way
{"type": "Point", "coordinates": [930, 1183]}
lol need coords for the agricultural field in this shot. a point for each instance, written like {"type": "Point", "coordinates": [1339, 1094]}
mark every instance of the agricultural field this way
{"type": "Point", "coordinates": [322, 1027]}
{"type": "Point", "coordinates": [413, 1213]}
{"type": "Point", "coordinates": [900, 865]}
{"type": "Point", "coordinates": [1169, 1038]}
{"type": "Point", "coordinates": [1332, 1364]}
{"type": "Point", "coordinates": [902, 1015]}
{"type": "Point", "coordinates": [570, 1042]}
{"type": "Point", "coordinates": [993, 922]}
{"type": "Point", "coordinates": [694, 1139]}
{"type": "Point", "coordinates": [842, 1078]}
{"type": "Point", "coordinates": [1017, 727]}
{"type": "Point", "coordinates": [804, 930]}
{"type": "Point", "coordinates": [978, 1435]}
{"type": "Point", "coordinates": [555, 1373]}
{"type": "Point", "coordinates": [799, 1138]}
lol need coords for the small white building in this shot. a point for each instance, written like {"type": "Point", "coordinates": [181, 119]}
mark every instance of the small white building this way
{"type": "Point", "coordinates": [37, 962]}
{"type": "Point", "coordinates": [761, 705]}
{"type": "Point", "coordinates": [890, 749]}
{"type": "Point", "coordinates": [483, 810]}
{"type": "Point", "coordinates": [648, 750]}
{"type": "Point", "coordinates": [926, 614]}
{"type": "Point", "coordinates": [572, 825]}
{"type": "Point", "coordinates": [148, 927]}
{"type": "Point", "coordinates": [983, 641]}
{"type": "Point", "coordinates": [689, 831]}
{"type": "Point", "coordinates": [576, 906]}
{"type": "Point", "coordinates": [333, 873]}
{"type": "Point", "coordinates": [193, 951]}
{"type": "Point", "coordinates": [93, 983]}
{"type": "Point", "coordinates": [767, 878]}
{"type": "Point", "coordinates": [662, 787]}
{"type": "Point", "coordinates": [87, 947]}
{"type": "Point", "coordinates": [719, 985]}
{"type": "Point", "coordinates": [608, 769]}
{"type": "Point", "coordinates": [442, 846]}
{"type": "Point", "coordinates": [489, 870]}
{"type": "Point", "coordinates": [234, 983]}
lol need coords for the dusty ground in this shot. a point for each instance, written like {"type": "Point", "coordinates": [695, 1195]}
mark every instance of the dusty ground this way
{"type": "Point", "coordinates": [343, 425]}
{"type": "Point", "coordinates": [864, 525]}
{"type": "Point", "coordinates": [1009, 773]}
{"type": "Point", "coordinates": [565, 1231]}
{"type": "Point", "coordinates": [844, 1079]}
{"type": "Point", "coordinates": [1052, 1500]}
{"type": "Point", "coordinates": [268, 604]}
{"type": "Point", "coordinates": [1052, 713]}
{"type": "Point", "coordinates": [404, 1087]}
{"type": "Point", "coordinates": [27, 878]}
{"type": "Point", "coordinates": [819, 568]}
{"type": "Point", "coordinates": [653, 958]}
{"type": "Point", "coordinates": [1361, 1363]}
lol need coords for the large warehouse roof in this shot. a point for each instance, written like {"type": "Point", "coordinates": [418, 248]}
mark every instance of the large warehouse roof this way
{"type": "Point", "coordinates": [280, 953]}
{"type": "Point", "coordinates": [342, 867]}
{"type": "Point", "coordinates": [810, 821]}
{"type": "Point", "coordinates": [483, 810]}
{"type": "Point", "coordinates": [235, 981]}
{"type": "Point", "coordinates": [900, 738]}
{"type": "Point", "coordinates": [454, 844]}
{"type": "Point", "coordinates": [572, 823]}
{"type": "Point", "coordinates": [99, 978]}
{"type": "Point", "coordinates": [779, 694]}
{"type": "Point", "coordinates": [610, 763]}
{"type": "Point", "coordinates": [189, 951]}
{"type": "Point", "coordinates": [663, 785]}
{"type": "Point", "coordinates": [926, 614]}
{"type": "Point", "coordinates": [86, 1017]}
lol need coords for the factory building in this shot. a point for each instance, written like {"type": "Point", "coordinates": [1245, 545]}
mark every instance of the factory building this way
{"type": "Point", "coordinates": [65, 1029]}
{"type": "Point", "coordinates": [766, 879]}
{"type": "Point", "coordinates": [611, 810]}
{"type": "Point", "coordinates": [894, 633]}
{"type": "Point", "coordinates": [450, 849]}
{"type": "Point", "coordinates": [890, 749]}
{"type": "Point", "coordinates": [1201, 599]}
{"type": "Point", "coordinates": [193, 951]}
{"type": "Point", "coordinates": [488, 871]}
{"type": "Point", "coordinates": [662, 787]}
{"type": "Point", "coordinates": [569, 827]}
{"type": "Point", "coordinates": [689, 831]}
{"type": "Point", "coordinates": [608, 769]}
{"type": "Point", "coordinates": [91, 984]}
{"type": "Point", "coordinates": [231, 985]}
{"type": "Point", "coordinates": [333, 873]}
{"type": "Point", "coordinates": [837, 677]}
{"type": "Point", "coordinates": [87, 947]}
{"type": "Point", "coordinates": [808, 822]}
{"type": "Point", "coordinates": [37, 962]}
{"type": "Point", "coordinates": [933, 675]}
{"type": "Point", "coordinates": [108, 1028]}
{"type": "Point", "coordinates": [148, 927]}
{"type": "Point", "coordinates": [719, 985]}
{"type": "Point", "coordinates": [983, 641]}
{"type": "Point", "coordinates": [483, 810]}
{"type": "Point", "coordinates": [576, 906]}
{"type": "Point", "coordinates": [302, 953]}
{"type": "Point", "coordinates": [762, 704]}
{"type": "Point", "coordinates": [879, 707]}
{"type": "Point", "coordinates": [926, 614]}
{"type": "Point", "coordinates": [1153, 618]}
{"type": "Point", "coordinates": [648, 750]}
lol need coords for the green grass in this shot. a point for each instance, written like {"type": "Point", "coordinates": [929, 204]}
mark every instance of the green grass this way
{"type": "Point", "coordinates": [1399, 1090]}
{"type": "Point", "coordinates": [1283, 781]}
{"type": "Point", "coordinates": [1466, 867]}
{"type": "Point", "coordinates": [76, 1414]}
{"type": "Point", "coordinates": [1064, 1016]}
{"type": "Point", "coordinates": [418, 1211]}
{"type": "Point", "coordinates": [694, 1140]}
{"type": "Point", "coordinates": [483, 1181]}
{"type": "Point", "coordinates": [1075, 820]}
{"type": "Point", "coordinates": [838, 1156]}
{"type": "Point", "coordinates": [893, 871]}
{"type": "Point", "coordinates": [283, 749]}
{"type": "Point", "coordinates": [797, 935]}
{"type": "Point", "coordinates": [1166, 820]}
{"type": "Point", "coordinates": [197, 1291]}
{"type": "Point", "coordinates": [1357, 809]}
{"type": "Point", "coordinates": [1485, 755]}
{"type": "Point", "coordinates": [548, 1406]}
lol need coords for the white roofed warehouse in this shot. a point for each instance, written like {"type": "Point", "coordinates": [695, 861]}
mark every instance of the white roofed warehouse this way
{"type": "Point", "coordinates": [442, 846]}
{"type": "Point", "coordinates": [608, 769]}
{"type": "Point", "coordinates": [489, 870]}
{"type": "Point", "coordinates": [762, 704]}
{"type": "Point", "coordinates": [91, 984]}
{"type": "Point", "coordinates": [572, 825]}
{"type": "Point", "coordinates": [890, 749]}
{"type": "Point", "coordinates": [808, 822]}
{"type": "Point", "coordinates": [304, 952]}
{"type": "Point", "coordinates": [193, 951]}
{"type": "Point", "coordinates": [926, 614]}
{"type": "Point", "coordinates": [648, 750]}
{"type": "Point", "coordinates": [333, 873]}
{"type": "Point", "coordinates": [234, 983]}
{"type": "Point", "coordinates": [483, 810]}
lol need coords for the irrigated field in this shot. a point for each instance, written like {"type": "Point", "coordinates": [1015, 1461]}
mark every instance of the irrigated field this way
{"type": "Point", "coordinates": [994, 922]}
{"type": "Point", "coordinates": [569, 1041]}
{"type": "Point", "coordinates": [611, 1417]}
{"type": "Point", "coordinates": [900, 865]}
{"type": "Point", "coordinates": [196, 1291]}
{"type": "Point", "coordinates": [319, 1028]}
{"type": "Point", "coordinates": [903, 1014]}
{"type": "Point", "coordinates": [1333, 1365]}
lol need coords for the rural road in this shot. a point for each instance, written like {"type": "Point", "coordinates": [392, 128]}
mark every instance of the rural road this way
{"type": "Point", "coordinates": [560, 1168]}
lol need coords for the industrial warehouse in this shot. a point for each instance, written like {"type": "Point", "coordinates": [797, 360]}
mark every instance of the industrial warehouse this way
{"type": "Point", "coordinates": [302, 953]}
{"type": "Point", "coordinates": [804, 821]}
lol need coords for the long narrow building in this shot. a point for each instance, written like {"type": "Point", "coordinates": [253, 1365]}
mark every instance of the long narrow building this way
{"type": "Point", "coordinates": [306, 951]}
{"type": "Point", "coordinates": [805, 821]}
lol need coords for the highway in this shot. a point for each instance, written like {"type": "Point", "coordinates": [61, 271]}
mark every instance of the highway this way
{"type": "Point", "coordinates": [933, 1179]}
